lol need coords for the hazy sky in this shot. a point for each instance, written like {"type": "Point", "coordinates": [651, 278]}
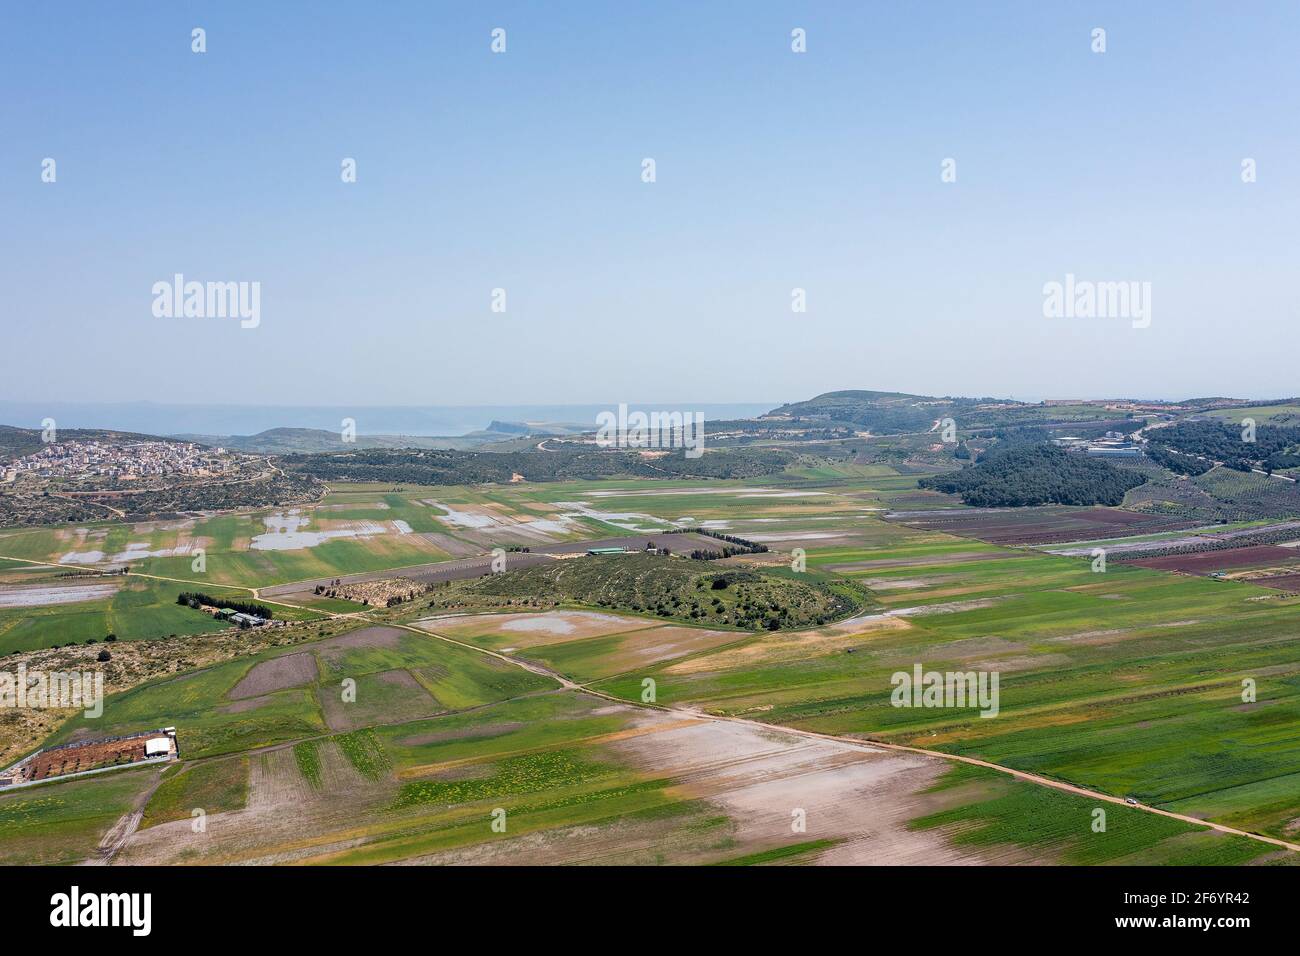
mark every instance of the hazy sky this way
{"type": "Point", "coordinates": [522, 170]}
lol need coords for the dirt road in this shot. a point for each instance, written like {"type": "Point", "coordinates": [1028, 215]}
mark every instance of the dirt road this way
{"type": "Point", "coordinates": [864, 743]}
{"type": "Point", "coordinates": [127, 824]}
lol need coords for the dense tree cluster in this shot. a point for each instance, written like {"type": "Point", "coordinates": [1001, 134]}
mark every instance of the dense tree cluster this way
{"type": "Point", "coordinates": [1273, 446]}
{"type": "Point", "coordinates": [1028, 474]}
{"type": "Point", "coordinates": [892, 413]}
{"type": "Point", "coordinates": [1177, 462]}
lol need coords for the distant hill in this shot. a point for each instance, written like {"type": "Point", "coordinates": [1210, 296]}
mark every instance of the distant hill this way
{"type": "Point", "coordinates": [510, 428]}
{"type": "Point", "coordinates": [879, 412]}
{"type": "Point", "coordinates": [891, 413]}
{"type": "Point", "coordinates": [306, 441]}
{"type": "Point", "coordinates": [289, 441]}
{"type": "Point", "coordinates": [17, 442]}
{"type": "Point", "coordinates": [498, 430]}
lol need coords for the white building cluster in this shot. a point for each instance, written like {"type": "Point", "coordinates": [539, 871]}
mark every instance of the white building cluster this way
{"type": "Point", "coordinates": [123, 460]}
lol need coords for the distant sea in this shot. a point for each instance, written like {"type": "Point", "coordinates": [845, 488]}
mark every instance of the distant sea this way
{"type": "Point", "coordinates": [441, 420]}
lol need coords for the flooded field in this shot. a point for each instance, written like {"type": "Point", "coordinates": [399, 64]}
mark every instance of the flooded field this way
{"type": "Point", "coordinates": [46, 596]}
{"type": "Point", "coordinates": [284, 532]}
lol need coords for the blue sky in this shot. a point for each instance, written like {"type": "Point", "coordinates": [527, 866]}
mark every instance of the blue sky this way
{"type": "Point", "coordinates": [775, 170]}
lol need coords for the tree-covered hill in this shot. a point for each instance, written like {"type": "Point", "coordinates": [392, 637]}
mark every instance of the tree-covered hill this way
{"type": "Point", "coordinates": [892, 413]}
{"type": "Point", "coordinates": [1270, 446]}
{"type": "Point", "coordinates": [1036, 474]}
{"type": "Point", "coordinates": [672, 588]}
{"type": "Point", "coordinates": [880, 412]}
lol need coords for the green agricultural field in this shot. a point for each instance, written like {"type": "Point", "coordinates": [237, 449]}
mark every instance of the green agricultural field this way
{"type": "Point", "coordinates": [139, 609]}
{"type": "Point", "coordinates": [307, 756]}
{"type": "Point", "coordinates": [399, 675]}
{"type": "Point", "coordinates": [364, 753]}
{"type": "Point", "coordinates": [215, 786]}
{"type": "Point", "coordinates": [1128, 682]}
{"type": "Point", "coordinates": [1286, 414]}
{"type": "Point", "coordinates": [333, 558]}
{"type": "Point", "coordinates": [62, 823]}
{"type": "Point", "coordinates": [991, 811]}
{"type": "Point", "coordinates": [455, 677]}
{"type": "Point", "coordinates": [209, 722]}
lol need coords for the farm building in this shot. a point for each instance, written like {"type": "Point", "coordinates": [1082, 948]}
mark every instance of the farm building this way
{"type": "Point", "coordinates": [85, 756]}
{"type": "Point", "coordinates": [1108, 449]}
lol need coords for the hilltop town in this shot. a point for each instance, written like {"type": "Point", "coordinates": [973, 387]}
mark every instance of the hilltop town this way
{"type": "Point", "coordinates": [85, 460]}
{"type": "Point", "coordinates": [94, 475]}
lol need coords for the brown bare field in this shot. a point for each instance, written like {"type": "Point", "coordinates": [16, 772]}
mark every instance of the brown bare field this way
{"type": "Point", "coordinates": [1044, 525]}
{"type": "Point", "coordinates": [860, 797]}
{"type": "Point", "coordinates": [760, 777]}
{"type": "Point", "coordinates": [279, 673]}
{"type": "Point", "coordinates": [1206, 562]}
{"type": "Point", "coordinates": [1284, 582]}
{"type": "Point", "coordinates": [283, 813]}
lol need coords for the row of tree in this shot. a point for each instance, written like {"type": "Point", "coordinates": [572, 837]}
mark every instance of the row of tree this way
{"type": "Point", "coordinates": [197, 599]}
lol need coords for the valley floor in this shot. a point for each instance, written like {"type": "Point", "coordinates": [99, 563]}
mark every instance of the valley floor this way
{"type": "Point", "coordinates": [544, 735]}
